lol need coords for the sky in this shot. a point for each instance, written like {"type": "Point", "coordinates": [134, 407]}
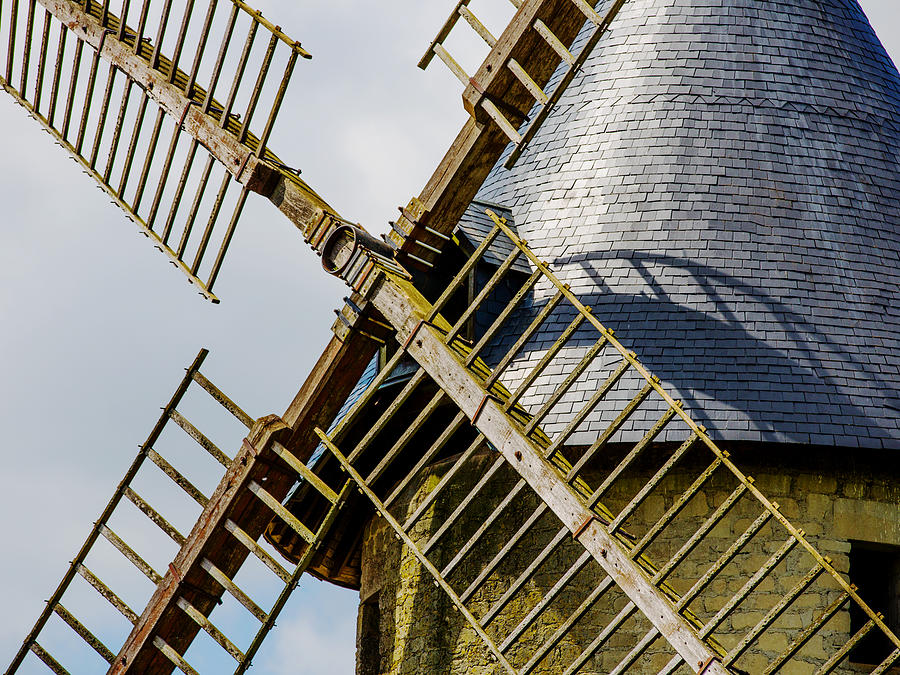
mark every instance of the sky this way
{"type": "Point", "coordinates": [97, 327]}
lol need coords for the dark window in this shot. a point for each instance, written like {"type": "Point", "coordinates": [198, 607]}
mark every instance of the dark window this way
{"type": "Point", "coordinates": [368, 637]}
{"type": "Point", "coordinates": [875, 569]}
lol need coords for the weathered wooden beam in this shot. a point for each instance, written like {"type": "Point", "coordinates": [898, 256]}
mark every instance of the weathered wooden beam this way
{"type": "Point", "coordinates": [210, 540]}
{"type": "Point", "coordinates": [441, 203]}
{"type": "Point", "coordinates": [339, 368]}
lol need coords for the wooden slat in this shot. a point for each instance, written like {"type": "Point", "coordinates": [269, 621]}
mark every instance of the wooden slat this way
{"type": "Point", "coordinates": [479, 532]}
{"type": "Point", "coordinates": [463, 505]}
{"type": "Point", "coordinates": [154, 516]}
{"type": "Point", "coordinates": [554, 42]}
{"type": "Point", "coordinates": [132, 555]}
{"type": "Point", "coordinates": [477, 26]}
{"type": "Point", "coordinates": [842, 653]}
{"type": "Point", "coordinates": [604, 585]}
{"type": "Point", "coordinates": [47, 659]}
{"type": "Point", "coordinates": [178, 478]}
{"type": "Point", "coordinates": [443, 33]}
{"type": "Point", "coordinates": [305, 472]}
{"type": "Point", "coordinates": [551, 594]}
{"type": "Point", "coordinates": [201, 439]}
{"type": "Point", "coordinates": [92, 640]}
{"type": "Point", "coordinates": [452, 64]}
{"type": "Point", "coordinates": [532, 86]}
{"type": "Point", "coordinates": [601, 24]}
{"type": "Point", "coordinates": [807, 633]}
{"type": "Point", "coordinates": [233, 155]}
{"type": "Point", "coordinates": [236, 592]}
{"type": "Point", "coordinates": [223, 400]}
{"type": "Point", "coordinates": [608, 631]}
{"type": "Point", "coordinates": [210, 629]}
{"type": "Point", "coordinates": [257, 550]}
{"type": "Point", "coordinates": [105, 591]}
{"type": "Point", "coordinates": [173, 656]}
{"type": "Point", "coordinates": [281, 512]}
{"type": "Point", "coordinates": [504, 551]}
{"type": "Point", "coordinates": [649, 638]}
{"type": "Point", "coordinates": [422, 559]}
{"type": "Point", "coordinates": [479, 143]}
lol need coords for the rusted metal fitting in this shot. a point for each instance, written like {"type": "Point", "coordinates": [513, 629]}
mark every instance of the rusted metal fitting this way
{"type": "Point", "coordinates": [706, 664]}
{"type": "Point", "coordinates": [584, 525]}
{"type": "Point", "coordinates": [412, 334]}
{"type": "Point", "coordinates": [478, 411]}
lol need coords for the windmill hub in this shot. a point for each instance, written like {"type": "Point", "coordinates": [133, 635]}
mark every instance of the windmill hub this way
{"type": "Point", "coordinates": [345, 245]}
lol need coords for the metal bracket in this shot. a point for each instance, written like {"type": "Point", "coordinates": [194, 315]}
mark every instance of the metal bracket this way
{"type": "Point", "coordinates": [192, 587]}
{"type": "Point", "coordinates": [106, 31]}
{"type": "Point", "coordinates": [706, 664]}
{"type": "Point", "coordinates": [325, 225]}
{"type": "Point", "coordinates": [584, 525]}
{"type": "Point", "coordinates": [181, 125]}
{"type": "Point", "coordinates": [412, 334]}
{"type": "Point", "coordinates": [480, 408]}
{"type": "Point", "coordinates": [250, 448]}
{"type": "Point", "coordinates": [243, 165]}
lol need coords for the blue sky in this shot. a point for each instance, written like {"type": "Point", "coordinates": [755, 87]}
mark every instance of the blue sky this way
{"type": "Point", "coordinates": [97, 327]}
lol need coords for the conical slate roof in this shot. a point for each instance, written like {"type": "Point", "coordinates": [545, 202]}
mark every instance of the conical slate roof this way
{"type": "Point", "coordinates": [721, 183]}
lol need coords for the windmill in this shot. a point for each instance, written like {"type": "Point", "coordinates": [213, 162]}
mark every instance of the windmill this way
{"type": "Point", "coordinates": [478, 390]}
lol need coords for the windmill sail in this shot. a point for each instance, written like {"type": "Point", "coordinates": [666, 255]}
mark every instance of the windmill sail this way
{"type": "Point", "coordinates": [168, 106]}
{"type": "Point", "coordinates": [520, 128]}
{"type": "Point", "coordinates": [455, 399]}
{"type": "Point", "coordinates": [183, 595]}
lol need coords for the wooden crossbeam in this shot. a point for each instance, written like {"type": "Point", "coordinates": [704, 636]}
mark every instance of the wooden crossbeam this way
{"type": "Point", "coordinates": [431, 216]}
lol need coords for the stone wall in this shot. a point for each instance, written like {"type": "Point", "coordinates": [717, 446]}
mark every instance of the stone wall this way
{"type": "Point", "coordinates": [408, 625]}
